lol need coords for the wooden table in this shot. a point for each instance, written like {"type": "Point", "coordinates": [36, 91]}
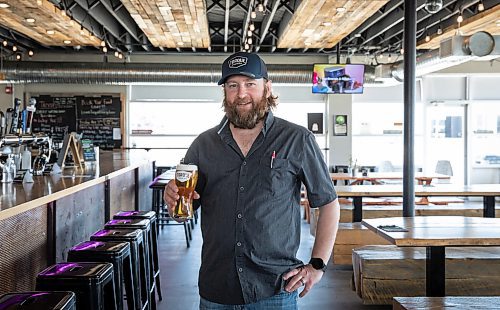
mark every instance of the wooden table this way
{"type": "Point", "coordinates": [436, 233]}
{"type": "Point", "coordinates": [357, 192]}
{"type": "Point", "coordinates": [376, 178]}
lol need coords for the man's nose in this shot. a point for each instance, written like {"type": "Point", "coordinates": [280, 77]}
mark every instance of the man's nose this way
{"type": "Point", "coordinates": [242, 91]}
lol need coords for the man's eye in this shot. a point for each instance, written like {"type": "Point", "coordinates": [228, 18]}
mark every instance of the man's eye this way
{"type": "Point", "coordinates": [232, 85]}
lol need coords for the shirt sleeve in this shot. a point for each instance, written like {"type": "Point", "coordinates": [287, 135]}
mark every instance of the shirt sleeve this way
{"type": "Point", "coordinates": [315, 174]}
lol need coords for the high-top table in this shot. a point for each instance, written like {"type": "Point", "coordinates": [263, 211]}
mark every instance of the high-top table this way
{"type": "Point", "coordinates": [377, 178]}
{"type": "Point", "coordinates": [436, 233]}
{"type": "Point", "coordinates": [357, 192]}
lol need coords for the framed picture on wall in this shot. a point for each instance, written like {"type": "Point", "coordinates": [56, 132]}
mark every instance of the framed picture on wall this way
{"type": "Point", "coordinates": [340, 125]}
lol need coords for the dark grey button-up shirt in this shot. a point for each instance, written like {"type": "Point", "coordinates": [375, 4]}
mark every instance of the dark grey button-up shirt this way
{"type": "Point", "coordinates": [250, 211]}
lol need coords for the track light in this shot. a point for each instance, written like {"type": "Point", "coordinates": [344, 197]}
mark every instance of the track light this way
{"type": "Point", "coordinates": [480, 6]}
{"type": "Point", "coordinates": [440, 30]}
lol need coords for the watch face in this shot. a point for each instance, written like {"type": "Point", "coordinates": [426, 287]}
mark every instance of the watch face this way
{"type": "Point", "coordinates": [318, 264]}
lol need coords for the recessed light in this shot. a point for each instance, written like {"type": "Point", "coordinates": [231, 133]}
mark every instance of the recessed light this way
{"type": "Point", "coordinates": [307, 43]}
{"type": "Point", "coordinates": [30, 20]}
{"type": "Point", "coordinates": [357, 35]}
{"type": "Point", "coordinates": [50, 32]}
{"type": "Point", "coordinates": [176, 34]}
{"type": "Point", "coordinates": [180, 43]}
{"type": "Point", "coordinates": [4, 5]}
{"type": "Point", "coordinates": [67, 41]}
{"type": "Point", "coordinates": [327, 24]}
{"type": "Point", "coordinates": [341, 9]}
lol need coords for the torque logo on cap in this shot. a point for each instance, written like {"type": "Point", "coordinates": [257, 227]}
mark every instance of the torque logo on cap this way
{"type": "Point", "coordinates": [237, 62]}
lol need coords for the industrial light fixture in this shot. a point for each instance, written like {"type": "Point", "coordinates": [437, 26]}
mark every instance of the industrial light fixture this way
{"type": "Point", "coordinates": [252, 27]}
{"type": "Point", "coordinates": [5, 42]}
{"type": "Point", "coordinates": [389, 58]}
{"type": "Point", "coordinates": [402, 51]}
{"type": "Point", "coordinates": [327, 24]}
{"type": "Point", "coordinates": [341, 9]}
{"type": "Point", "coordinates": [253, 15]}
{"type": "Point", "coordinates": [249, 33]}
{"type": "Point", "coordinates": [439, 30]}
{"type": "Point", "coordinates": [105, 49]}
{"type": "Point", "coordinates": [30, 53]}
{"type": "Point", "coordinates": [82, 32]}
{"type": "Point", "coordinates": [67, 41]}
{"type": "Point", "coordinates": [103, 43]}
{"type": "Point", "coordinates": [180, 43]}
{"type": "Point", "coordinates": [120, 56]}
{"type": "Point", "coordinates": [116, 54]}
{"type": "Point", "coordinates": [30, 20]}
{"type": "Point", "coordinates": [427, 37]}
{"type": "Point", "coordinates": [249, 41]}
{"type": "Point", "coordinates": [4, 5]}
{"type": "Point", "coordinates": [50, 32]}
{"type": "Point", "coordinates": [18, 56]}
{"type": "Point", "coordinates": [260, 7]}
{"type": "Point", "coordinates": [247, 46]}
{"type": "Point", "coordinates": [460, 18]}
{"type": "Point", "coordinates": [14, 48]}
{"type": "Point", "coordinates": [480, 6]}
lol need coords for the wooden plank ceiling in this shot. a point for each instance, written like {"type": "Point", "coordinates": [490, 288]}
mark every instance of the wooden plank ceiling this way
{"type": "Point", "coordinates": [323, 23]}
{"type": "Point", "coordinates": [488, 21]}
{"type": "Point", "coordinates": [171, 23]}
{"type": "Point", "coordinates": [50, 26]}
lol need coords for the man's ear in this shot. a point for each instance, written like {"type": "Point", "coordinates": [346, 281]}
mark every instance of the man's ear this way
{"type": "Point", "coordinates": [268, 86]}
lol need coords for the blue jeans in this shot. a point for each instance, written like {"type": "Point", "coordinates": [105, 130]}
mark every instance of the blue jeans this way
{"type": "Point", "coordinates": [281, 301]}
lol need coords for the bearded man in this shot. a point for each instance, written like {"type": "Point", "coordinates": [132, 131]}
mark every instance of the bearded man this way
{"type": "Point", "coordinates": [251, 168]}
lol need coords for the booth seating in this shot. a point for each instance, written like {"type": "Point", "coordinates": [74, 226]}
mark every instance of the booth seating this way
{"type": "Point", "coordinates": [92, 283]}
{"type": "Point", "coordinates": [151, 216]}
{"type": "Point", "coordinates": [138, 259]}
{"type": "Point", "coordinates": [116, 253]}
{"type": "Point", "coordinates": [42, 300]}
{"type": "Point", "coordinates": [145, 226]}
{"type": "Point", "coordinates": [382, 272]}
{"type": "Point", "coordinates": [448, 302]}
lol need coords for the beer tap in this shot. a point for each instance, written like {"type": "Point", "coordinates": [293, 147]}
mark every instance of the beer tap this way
{"type": "Point", "coordinates": [31, 108]}
{"type": "Point", "coordinates": [15, 116]}
{"type": "Point", "coordinates": [2, 124]}
{"type": "Point", "coordinates": [8, 119]}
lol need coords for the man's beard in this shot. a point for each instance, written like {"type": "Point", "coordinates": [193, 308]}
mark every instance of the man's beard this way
{"type": "Point", "coordinates": [246, 119]}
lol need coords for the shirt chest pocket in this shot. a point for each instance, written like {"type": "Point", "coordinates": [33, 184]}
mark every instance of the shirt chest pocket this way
{"type": "Point", "coordinates": [278, 179]}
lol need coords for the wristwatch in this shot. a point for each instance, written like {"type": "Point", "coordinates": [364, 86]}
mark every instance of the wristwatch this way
{"type": "Point", "coordinates": [318, 264]}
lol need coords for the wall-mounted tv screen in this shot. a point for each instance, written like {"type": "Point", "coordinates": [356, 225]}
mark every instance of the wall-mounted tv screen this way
{"type": "Point", "coordinates": [338, 78]}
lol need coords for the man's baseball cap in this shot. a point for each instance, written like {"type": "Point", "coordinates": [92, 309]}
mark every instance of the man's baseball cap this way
{"type": "Point", "coordinates": [242, 63]}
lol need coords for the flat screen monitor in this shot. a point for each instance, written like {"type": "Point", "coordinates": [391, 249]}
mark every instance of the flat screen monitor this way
{"type": "Point", "coordinates": [338, 78]}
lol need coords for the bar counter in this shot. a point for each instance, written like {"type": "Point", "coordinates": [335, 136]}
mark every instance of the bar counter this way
{"type": "Point", "coordinates": [40, 221]}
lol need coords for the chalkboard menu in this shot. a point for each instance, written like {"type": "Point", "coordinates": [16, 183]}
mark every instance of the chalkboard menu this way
{"type": "Point", "coordinates": [96, 118]}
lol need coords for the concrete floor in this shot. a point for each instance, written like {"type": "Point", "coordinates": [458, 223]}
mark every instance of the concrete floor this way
{"type": "Point", "coordinates": [179, 275]}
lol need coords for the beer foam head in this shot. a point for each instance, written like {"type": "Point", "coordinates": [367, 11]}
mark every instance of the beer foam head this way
{"type": "Point", "coordinates": [241, 63]}
{"type": "Point", "coordinates": [187, 167]}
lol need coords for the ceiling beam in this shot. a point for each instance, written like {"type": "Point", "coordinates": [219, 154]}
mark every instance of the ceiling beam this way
{"type": "Point", "coordinates": [266, 23]}
{"type": "Point", "coordinates": [226, 23]}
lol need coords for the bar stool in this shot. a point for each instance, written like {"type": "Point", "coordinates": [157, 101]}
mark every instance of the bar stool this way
{"type": "Point", "coordinates": [92, 283]}
{"type": "Point", "coordinates": [38, 301]}
{"type": "Point", "coordinates": [148, 242]}
{"type": "Point", "coordinates": [138, 257]}
{"type": "Point", "coordinates": [151, 216]}
{"type": "Point", "coordinates": [116, 253]}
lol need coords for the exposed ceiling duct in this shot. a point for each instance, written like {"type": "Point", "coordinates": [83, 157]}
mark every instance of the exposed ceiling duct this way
{"type": "Point", "coordinates": [453, 51]}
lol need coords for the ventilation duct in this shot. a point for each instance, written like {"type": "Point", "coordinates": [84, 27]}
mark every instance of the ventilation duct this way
{"type": "Point", "coordinates": [451, 52]}
{"type": "Point", "coordinates": [126, 73]}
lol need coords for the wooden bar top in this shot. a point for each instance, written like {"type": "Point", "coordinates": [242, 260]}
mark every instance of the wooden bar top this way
{"type": "Point", "coordinates": [18, 197]}
{"type": "Point", "coordinates": [438, 230]}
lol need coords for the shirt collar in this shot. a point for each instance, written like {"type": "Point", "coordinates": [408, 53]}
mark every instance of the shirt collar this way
{"type": "Point", "coordinates": [224, 124]}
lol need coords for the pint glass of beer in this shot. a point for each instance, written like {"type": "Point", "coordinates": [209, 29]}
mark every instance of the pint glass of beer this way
{"type": "Point", "coordinates": [186, 176]}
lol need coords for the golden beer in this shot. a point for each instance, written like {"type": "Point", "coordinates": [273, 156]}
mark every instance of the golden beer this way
{"type": "Point", "coordinates": [186, 177]}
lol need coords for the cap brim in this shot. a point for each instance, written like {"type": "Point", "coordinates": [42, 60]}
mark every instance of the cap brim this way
{"type": "Point", "coordinates": [251, 75]}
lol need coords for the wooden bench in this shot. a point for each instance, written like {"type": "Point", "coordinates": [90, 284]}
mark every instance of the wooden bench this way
{"type": "Point", "coordinates": [382, 272]}
{"type": "Point", "coordinates": [350, 236]}
{"type": "Point", "coordinates": [448, 302]}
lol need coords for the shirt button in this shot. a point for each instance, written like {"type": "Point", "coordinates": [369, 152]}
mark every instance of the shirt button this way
{"type": "Point", "coordinates": [242, 188]}
{"type": "Point", "coordinates": [244, 163]}
{"type": "Point", "coordinates": [238, 244]}
{"type": "Point", "coordinates": [239, 215]}
{"type": "Point", "coordinates": [240, 269]}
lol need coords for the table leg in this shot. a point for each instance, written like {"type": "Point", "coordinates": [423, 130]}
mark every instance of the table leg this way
{"type": "Point", "coordinates": [489, 206]}
{"type": "Point", "coordinates": [435, 274]}
{"type": "Point", "coordinates": [357, 211]}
